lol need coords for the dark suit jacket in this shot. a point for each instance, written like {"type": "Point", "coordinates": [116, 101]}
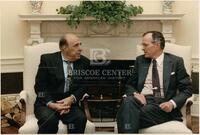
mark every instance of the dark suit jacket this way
{"type": "Point", "coordinates": [49, 82]}
{"type": "Point", "coordinates": [175, 79]}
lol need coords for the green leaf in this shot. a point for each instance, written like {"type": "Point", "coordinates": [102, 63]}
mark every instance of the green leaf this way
{"type": "Point", "coordinates": [111, 12]}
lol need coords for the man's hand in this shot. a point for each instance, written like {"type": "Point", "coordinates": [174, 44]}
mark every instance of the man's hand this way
{"type": "Point", "coordinates": [64, 111]}
{"type": "Point", "coordinates": [58, 107]}
{"type": "Point", "coordinates": [66, 101]}
{"type": "Point", "coordinates": [140, 97]}
{"type": "Point", "coordinates": [166, 106]}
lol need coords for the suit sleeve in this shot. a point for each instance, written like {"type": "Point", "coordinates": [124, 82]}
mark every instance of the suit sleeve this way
{"type": "Point", "coordinates": [183, 83]}
{"type": "Point", "coordinates": [131, 85]}
{"type": "Point", "coordinates": [81, 84]}
{"type": "Point", "coordinates": [41, 82]}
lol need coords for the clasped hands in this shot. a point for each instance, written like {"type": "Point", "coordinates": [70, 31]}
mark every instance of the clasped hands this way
{"type": "Point", "coordinates": [165, 106]}
{"type": "Point", "coordinates": [62, 106]}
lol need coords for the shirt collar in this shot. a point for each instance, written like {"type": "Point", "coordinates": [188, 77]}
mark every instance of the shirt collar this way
{"type": "Point", "coordinates": [63, 59]}
{"type": "Point", "coordinates": [160, 59]}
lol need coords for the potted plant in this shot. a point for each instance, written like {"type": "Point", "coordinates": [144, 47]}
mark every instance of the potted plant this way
{"type": "Point", "coordinates": [109, 12]}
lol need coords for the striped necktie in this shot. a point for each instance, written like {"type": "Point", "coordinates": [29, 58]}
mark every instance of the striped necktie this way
{"type": "Point", "coordinates": [69, 76]}
{"type": "Point", "coordinates": [155, 81]}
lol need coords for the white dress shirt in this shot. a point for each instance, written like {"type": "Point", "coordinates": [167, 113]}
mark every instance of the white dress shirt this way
{"type": "Point", "coordinates": [147, 90]}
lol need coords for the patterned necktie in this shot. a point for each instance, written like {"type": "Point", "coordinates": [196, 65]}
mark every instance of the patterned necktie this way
{"type": "Point", "coordinates": [155, 81]}
{"type": "Point", "coordinates": [69, 76]}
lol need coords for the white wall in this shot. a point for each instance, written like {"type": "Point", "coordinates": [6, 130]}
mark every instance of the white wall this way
{"type": "Point", "coordinates": [16, 32]}
{"type": "Point", "coordinates": [186, 31]}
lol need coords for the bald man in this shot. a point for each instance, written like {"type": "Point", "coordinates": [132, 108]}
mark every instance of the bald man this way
{"type": "Point", "coordinates": [59, 90]}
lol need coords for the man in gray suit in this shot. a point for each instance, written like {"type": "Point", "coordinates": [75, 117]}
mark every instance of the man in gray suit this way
{"type": "Point", "coordinates": [152, 90]}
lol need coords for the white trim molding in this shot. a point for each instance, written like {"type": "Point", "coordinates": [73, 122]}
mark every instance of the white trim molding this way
{"type": "Point", "coordinates": [9, 65]}
{"type": "Point", "coordinates": [43, 25]}
{"type": "Point", "coordinates": [53, 17]}
{"type": "Point", "coordinates": [195, 106]}
{"type": "Point", "coordinates": [195, 64]}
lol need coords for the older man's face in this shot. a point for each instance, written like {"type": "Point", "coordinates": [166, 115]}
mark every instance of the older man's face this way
{"type": "Point", "coordinates": [150, 48]}
{"type": "Point", "coordinates": [73, 50]}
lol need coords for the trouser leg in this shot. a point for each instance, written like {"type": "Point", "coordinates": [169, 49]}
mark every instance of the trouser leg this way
{"type": "Point", "coordinates": [128, 116]}
{"type": "Point", "coordinates": [47, 120]}
{"type": "Point", "coordinates": [151, 114]}
{"type": "Point", "coordinates": [131, 117]}
{"type": "Point", "coordinates": [75, 119]}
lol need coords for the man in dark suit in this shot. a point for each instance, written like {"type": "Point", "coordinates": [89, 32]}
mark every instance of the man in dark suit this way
{"type": "Point", "coordinates": [157, 90]}
{"type": "Point", "coordinates": [59, 90]}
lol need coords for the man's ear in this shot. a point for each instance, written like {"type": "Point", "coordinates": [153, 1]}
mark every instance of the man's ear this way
{"type": "Point", "coordinates": [63, 47]}
{"type": "Point", "coordinates": [158, 44]}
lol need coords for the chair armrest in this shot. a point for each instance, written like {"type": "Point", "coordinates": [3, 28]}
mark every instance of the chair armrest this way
{"type": "Point", "coordinates": [191, 99]}
{"type": "Point", "coordinates": [23, 98]}
{"type": "Point", "coordinates": [86, 108]}
{"type": "Point", "coordinates": [188, 105]}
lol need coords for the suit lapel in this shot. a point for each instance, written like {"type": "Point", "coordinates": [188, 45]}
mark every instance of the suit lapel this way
{"type": "Point", "coordinates": [77, 64]}
{"type": "Point", "coordinates": [145, 67]}
{"type": "Point", "coordinates": [59, 65]}
{"type": "Point", "coordinates": [167, 68]}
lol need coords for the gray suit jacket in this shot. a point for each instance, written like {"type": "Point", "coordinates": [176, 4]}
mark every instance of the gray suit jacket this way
{"type": "Point", "coordinates": [177, 86]}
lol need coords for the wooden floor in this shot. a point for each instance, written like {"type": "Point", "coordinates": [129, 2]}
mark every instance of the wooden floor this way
{"type": "Point", "coordinates": [14, 130]}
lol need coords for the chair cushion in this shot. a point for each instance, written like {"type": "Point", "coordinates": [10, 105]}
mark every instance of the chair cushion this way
{"type": "Point", "coordinates": [170, 127]}
{"type": "Point", "coordinates": [167, 127]}
{"type": "Point", "coordinates": [90, 128]}
{"type": "Point", "coordinates": [31, 126]}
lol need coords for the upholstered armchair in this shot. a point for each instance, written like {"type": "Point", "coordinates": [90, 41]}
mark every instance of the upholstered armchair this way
{"type": "Point", "coordinates": [174, 126]}
{"type": "Point", "coordinates": [27, 96]}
